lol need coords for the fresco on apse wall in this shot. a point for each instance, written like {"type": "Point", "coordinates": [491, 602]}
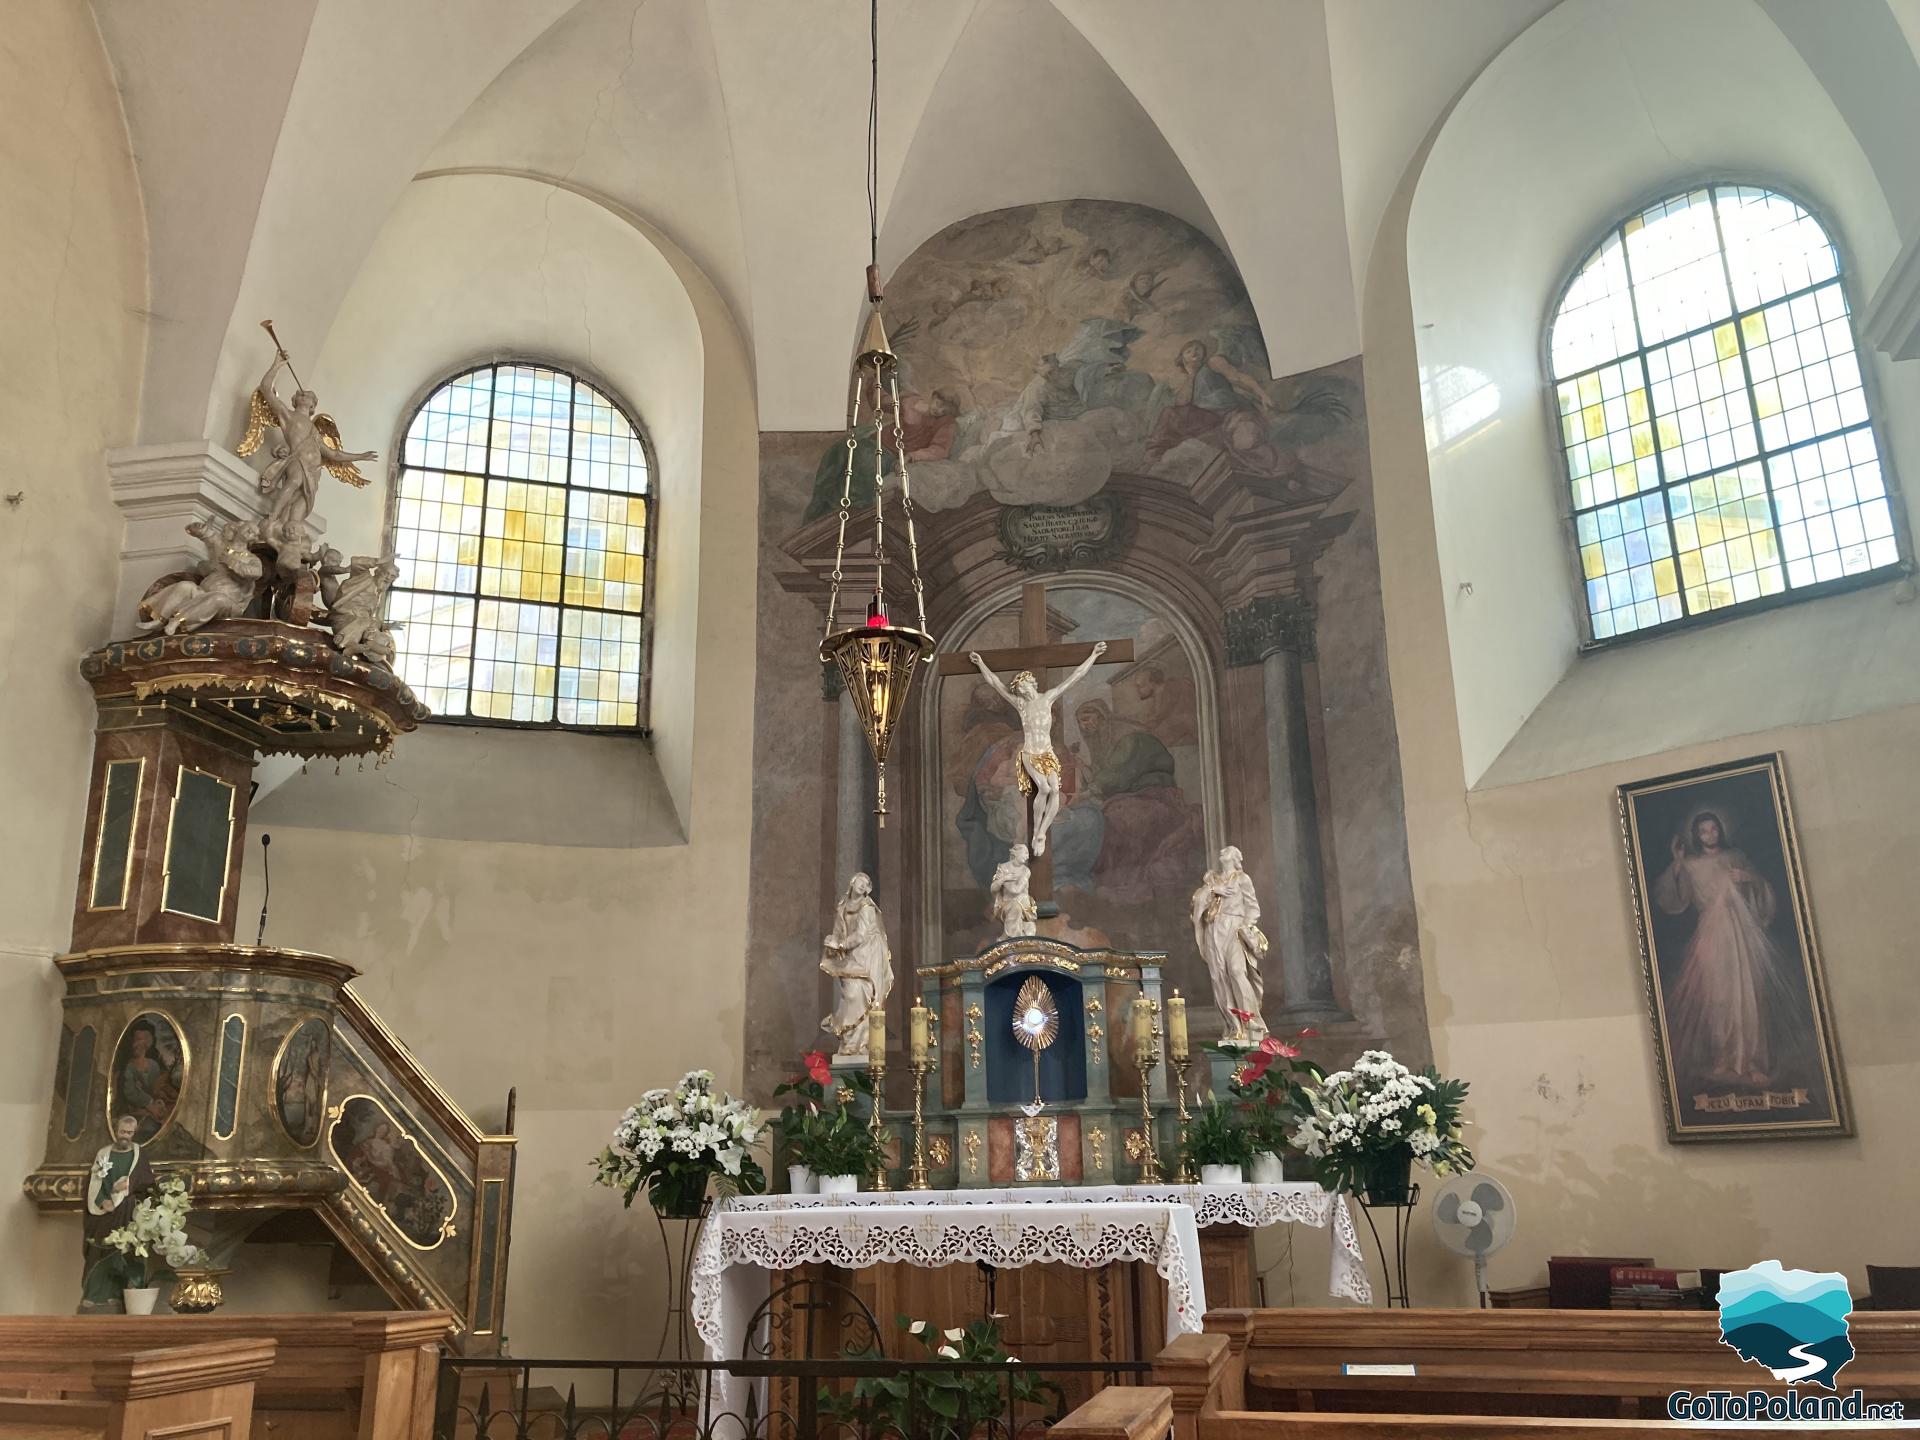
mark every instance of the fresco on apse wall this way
{"type": "Point", "coordinates": [1044, 348]}
{"type": "Point", "coordinates": [1086, 402]}
{"type": "Point", "coordinates": [1742, 1034]}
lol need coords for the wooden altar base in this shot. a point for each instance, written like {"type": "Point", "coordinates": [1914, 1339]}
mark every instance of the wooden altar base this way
{"type": "Point", "coordinates": [1053, 1313]}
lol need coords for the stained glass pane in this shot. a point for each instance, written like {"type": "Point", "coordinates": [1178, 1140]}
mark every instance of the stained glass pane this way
{"type": "Point", "coordinates": [1732, 458]}
{"type": "Point", "coordinates": [521, 518]}
{"type": "Point", "coordinates": [1673, 254]}
{"type": "Point", "coordinates": [599, 669]}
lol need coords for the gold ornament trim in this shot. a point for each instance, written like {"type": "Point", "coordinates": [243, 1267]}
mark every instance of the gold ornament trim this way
{"type": "Point", "coordinates": [1097, 1143]}
{"type": "Point", "coordinates": [939, 1151]}
{"type": "Point", "coordinates": [972, 1147]}
{"type": "Point", "coordinates": [239, 1077]}
{"type": "Point", "coordinates": [139, 762]}
{"type": "Point", "coordinates": [218, 955]}
{"type": "Point", "coordinates": [1094, 1036]}
{"type": "Point", "coordinates": [976, 1038]}
{"type": "Point", "coordinates": [1041, 951]}
{"type": "Point", "coordinates": [166, 856]}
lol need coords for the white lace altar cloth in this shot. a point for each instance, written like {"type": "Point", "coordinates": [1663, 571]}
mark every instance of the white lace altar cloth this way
{"type": "Point", "coordinates": [1293, 1202]}
{"type": "Point", "coordinates": [746, 1234]}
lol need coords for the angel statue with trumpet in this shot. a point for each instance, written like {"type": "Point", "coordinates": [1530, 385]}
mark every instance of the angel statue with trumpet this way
{"type": "Point", "coordinates": [309, 443]}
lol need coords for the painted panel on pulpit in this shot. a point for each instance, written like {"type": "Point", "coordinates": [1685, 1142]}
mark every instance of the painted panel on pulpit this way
{"type": "Point", "coordinates": [1130, 839]}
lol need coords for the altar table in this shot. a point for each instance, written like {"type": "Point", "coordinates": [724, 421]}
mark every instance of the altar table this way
{"type": "Point", "coordinates": [1294, 1202]}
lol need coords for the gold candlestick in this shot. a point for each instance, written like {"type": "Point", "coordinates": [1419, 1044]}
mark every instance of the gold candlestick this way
{"type": "Point", "coordinates": [920, 1037]}
{"type": "Point", "coordinates": [1182, 1173]}
{"type": "Point", "coordinates": [1146, 1056]}
{"type": "Point", "coordinates": [877, 1068]}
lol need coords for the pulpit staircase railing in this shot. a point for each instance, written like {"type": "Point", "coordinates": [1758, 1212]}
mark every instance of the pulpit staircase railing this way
{"type": "Point", "coordinates": [427, 1206]}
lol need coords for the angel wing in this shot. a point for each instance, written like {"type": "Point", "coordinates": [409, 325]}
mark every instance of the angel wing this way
{"type": "Point", "coordinates": [346, 470]}
{"type": "Point", "coordinates": [259, 417]}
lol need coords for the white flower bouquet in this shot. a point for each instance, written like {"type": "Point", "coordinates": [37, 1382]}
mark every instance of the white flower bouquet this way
{"type": "Point", "coordinates": [154, 1239]}
{"type": "Point", "coordinates": [673, 1143]}
{"type": "Point", "coordinates": [1369, 1124]}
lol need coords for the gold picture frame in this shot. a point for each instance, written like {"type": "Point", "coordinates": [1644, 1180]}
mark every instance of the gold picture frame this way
{"type": "Point", "coordinates": [139, 764]}
{"type": "Point", "coordinates": [336, 1116]}
{"type": "Point", "coordinates": [226, 858]}
{"type": "Point", "coordinates": [1736, 991]}
{"type": "Point", "coordinates": [114, 1067]}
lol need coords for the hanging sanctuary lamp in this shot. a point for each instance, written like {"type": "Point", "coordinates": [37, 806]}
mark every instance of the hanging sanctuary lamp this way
{"type": "Point", "coordinates": [879, 656]}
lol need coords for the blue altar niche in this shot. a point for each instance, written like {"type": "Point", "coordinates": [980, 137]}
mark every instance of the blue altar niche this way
{"type": "Point", "coordinates": [1010, 1067]}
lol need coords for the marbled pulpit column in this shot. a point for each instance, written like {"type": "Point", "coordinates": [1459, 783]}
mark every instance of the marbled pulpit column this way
{"type": "Point", "coordinates": [1275, 632]}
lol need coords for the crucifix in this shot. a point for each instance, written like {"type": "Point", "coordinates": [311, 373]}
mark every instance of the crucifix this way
{"type": "Point", "coordinates": [1039, 766]}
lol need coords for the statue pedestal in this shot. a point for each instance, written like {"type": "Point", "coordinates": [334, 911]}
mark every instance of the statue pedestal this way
{"type": "Point", "coordinates": [1088, 1076]}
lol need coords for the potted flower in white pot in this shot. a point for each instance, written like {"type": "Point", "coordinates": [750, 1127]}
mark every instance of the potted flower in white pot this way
{"type": "Point", "coordinates": [828, 1141]}
{"type": "Point", "coordinates": [1267, 1083]}
{"type": "Point", "coordinates": [1219, 1142]}
{"type": "Point", "coordinates": [153, 1243]}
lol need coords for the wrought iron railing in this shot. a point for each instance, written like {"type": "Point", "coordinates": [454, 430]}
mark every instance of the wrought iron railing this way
{"type": "Point", "coordinates": [831, 1399]}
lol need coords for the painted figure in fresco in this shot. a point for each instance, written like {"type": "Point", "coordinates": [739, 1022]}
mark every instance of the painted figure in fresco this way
{"type": "Point", "coordinates": [1226, 927]}
{"type": "Point", "coordinates": [928, 424]}
{"type": "Point", "coordinates": [1154, 836]}
{"type": "Point", "coordinates": [1013, 907]}
{"type": "Point", "coordinates": [1733, 979]}
{"type": "Point", "coordinates": [855, 953]}
{"type": "Point", "coordinates": [119, 1179]}
{"type": "Point", "coordinates": [1214, 400]}
{"type": "Point", "coordinates": [1162, 700]}
{"type": "Point", "coordinates": [149, 1075]}
{"type": "Point", "coordinates": [1039, 766]}
{"type": "Point", "coordinates": [386, 1163]}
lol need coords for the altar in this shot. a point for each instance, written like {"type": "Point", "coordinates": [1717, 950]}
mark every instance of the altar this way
{"type": "Point", "coordinates": [868, 1242]}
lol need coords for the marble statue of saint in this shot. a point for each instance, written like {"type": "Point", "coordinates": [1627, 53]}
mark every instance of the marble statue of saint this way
{"type": "Point", "coordinates": [120, 1177]}
{"type": "Point", "coordinates": [1226, 927]}
{"type": "Point", "coordinates": [309, 443]}
{"type": "Point", "coordinates": [1039, 766]}
{"type": "Point", "coordinates": [856, 955]}
{"type": "Point", "coordinates": [1013, 907]}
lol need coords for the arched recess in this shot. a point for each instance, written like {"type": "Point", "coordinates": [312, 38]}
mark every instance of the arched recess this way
{"type": "Point", "coordinates": [479, 265]}
{"type": "Point", "coordinates": [933, 738]}
{"type": "Point", "coordinates": [1599, 107]}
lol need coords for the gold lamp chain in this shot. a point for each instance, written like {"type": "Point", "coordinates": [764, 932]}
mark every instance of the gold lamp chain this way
{"type": "Point", "coordinates": [879, 493]}
{"type": "Point", "coordinates": [846, 505]}
{"type": "Point", "coordinates": [906, 503]}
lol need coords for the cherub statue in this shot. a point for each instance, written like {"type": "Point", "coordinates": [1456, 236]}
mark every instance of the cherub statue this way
{"type": "Point", "coordinates": [356, 605]}
{"type": "Point", "coordinates": [1226, 927]}
{"type": "Point", "coordinates": [1039, 766]}
{"type": "Point", "coordinates": [1013, 907]}
{"type": "Point", "coordinates": [232, 575]}
{"type": "Point", "coordinates": [855, 953]}
{"type": "Point", "coordinates": [309, 443]}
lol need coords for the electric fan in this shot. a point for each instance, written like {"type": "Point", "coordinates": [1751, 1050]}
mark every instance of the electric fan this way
{"type": "Point", "coordinates": [1474, 1216]}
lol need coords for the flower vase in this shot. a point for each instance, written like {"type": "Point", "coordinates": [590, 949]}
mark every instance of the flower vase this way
{"type": "Point", "coordinates": [1386, 1177]}
{"type": "Point", "coordinates": [1267, 1168]}
{"type": "Point", "coordinates": [1220, 1175]}
{"type": "Point", "coordinates": [679, 1197]}
{"type": "Point", "coordinates": [800, 1181]}
{"type": "Point", "coordinates": [140, 1299]}
{"type": "Point", "coordinates": [838, 1184]}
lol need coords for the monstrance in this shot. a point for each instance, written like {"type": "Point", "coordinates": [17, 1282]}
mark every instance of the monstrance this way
{"type": "Point", "coordinates": [1036, 1025]}
{"type": "Point", "coordinates": [877, 659]}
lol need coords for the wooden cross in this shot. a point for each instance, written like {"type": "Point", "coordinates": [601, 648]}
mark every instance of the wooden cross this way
{"type": "Point", "coordinates": [1035, 653]}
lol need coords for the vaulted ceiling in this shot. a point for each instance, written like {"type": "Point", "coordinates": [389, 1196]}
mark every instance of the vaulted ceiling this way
{"type": "Point", "coordinates": [272, 154]}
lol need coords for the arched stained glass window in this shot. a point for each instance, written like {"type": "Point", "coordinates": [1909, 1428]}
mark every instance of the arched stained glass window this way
{"type": "Point", "coordinates": [522, 528]}
{"type": "Point", "coordinates": [1718, 444]}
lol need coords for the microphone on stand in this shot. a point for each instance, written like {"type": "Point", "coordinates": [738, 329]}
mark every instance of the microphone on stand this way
{"type": "Point", "coordinates": [266, 874]}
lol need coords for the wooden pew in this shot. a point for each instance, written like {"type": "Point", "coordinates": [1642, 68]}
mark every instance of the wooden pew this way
{"type": "Point", "coordinates": [340, 1376]}
{"type": "Point", "coordinates": [203, 1391]}
{"type": "Point", "coordinates": [1282, 1374]}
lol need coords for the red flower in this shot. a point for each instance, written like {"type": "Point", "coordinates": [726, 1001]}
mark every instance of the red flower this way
{"type": "Point", "coordinates": [1309, 1033]}
{"type": "Point", "coordinates": [1256, 1066]}
{"type": "Point", "coordinates": [818, 1070]}
{"type": "Point", "coordinates": [1241, 1015]}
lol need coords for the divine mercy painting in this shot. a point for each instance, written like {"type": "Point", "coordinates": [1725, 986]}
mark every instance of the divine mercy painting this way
{"type": "Point", "coordinates": [1742, 1031]}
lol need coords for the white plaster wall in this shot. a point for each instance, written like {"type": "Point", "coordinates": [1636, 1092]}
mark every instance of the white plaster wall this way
{"type": "Point", "coordinates": [578, 974]}
{"type": "Point", "coordinates": [1533, 976]}
{"type": "Point", "coordinates": [72, 291]}
{"type": "Point", "coordinates": [1599, 107]}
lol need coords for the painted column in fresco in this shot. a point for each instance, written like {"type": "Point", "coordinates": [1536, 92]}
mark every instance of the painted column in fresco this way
{"type": "Point", "coordinates": [1275, 632]}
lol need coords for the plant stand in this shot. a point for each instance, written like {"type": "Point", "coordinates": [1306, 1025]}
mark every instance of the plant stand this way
{"type": "Point", "coordinates": [1393, 1280]}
